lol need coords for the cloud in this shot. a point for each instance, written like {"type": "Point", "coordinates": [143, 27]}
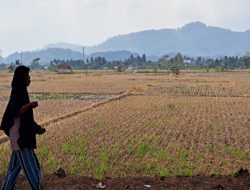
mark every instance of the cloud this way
{"type": "Point", "coordinates": [30, 24]}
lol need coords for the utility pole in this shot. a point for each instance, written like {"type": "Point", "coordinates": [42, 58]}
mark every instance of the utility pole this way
{"type": "Point", "coordinates": [21, 57]}
{"type": "Point", "coordinates": [83, 62]}
{"type": "Point", "coordinates": [1, 56]}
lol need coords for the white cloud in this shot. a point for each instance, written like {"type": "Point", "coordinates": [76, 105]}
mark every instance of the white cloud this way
{"type": "Point", "coordinates": [30, 24]}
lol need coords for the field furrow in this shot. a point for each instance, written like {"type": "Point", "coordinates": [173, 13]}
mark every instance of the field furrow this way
{"type": "Point", "coordinates": [194, 123]}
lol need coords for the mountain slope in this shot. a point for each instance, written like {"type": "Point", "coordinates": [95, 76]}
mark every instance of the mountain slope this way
{"type": "Point", "coordinates": [50, 54]}
{"type": "Point", "coordinates": [45, 55]}
{"type": "Point", "coordinates": [63, 45]}
{"type": "Point", "coordinates": [194, 39]}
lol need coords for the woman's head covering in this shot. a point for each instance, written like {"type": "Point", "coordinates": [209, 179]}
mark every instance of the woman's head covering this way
{"type": "Point", "coordinates": [20, 77]}
{"type": "Point", "coordinates": [18, 97]}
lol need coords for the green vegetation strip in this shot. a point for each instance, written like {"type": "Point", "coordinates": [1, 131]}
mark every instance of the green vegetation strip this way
{"type": "Point", "coordinates": [62, 96]}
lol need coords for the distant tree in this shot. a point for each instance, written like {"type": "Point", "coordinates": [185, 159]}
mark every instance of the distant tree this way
{"type": "Point", "coordinates": [11, 68]}
{"type": "Point", "coordinates": [246, 60]}
{"type": "Point", "coordinates": [178, 63]}
{"type": "Point", "coordinates": [164, 62]}
{"type": "Point", "coordinates": [2, 66]}
{"type": "Point", "coordinates": [155, 68]}
{"type": "Point", "coordinates": [91, 59]}
{"type": "Point", "coordinates": [97, 62]}
{"type": "Point", "coordinates": [120, 68]}
{"type": "Point", "coordinates": [178, 60]}
{"type": "Point", "coordinates": [18, 62]}
{"type": "Point", "coordinates": [144, 59]}
{"type": "Point", "coordinates": [87, 61]}
{"type": "Point", "coordinates": [35, 64]}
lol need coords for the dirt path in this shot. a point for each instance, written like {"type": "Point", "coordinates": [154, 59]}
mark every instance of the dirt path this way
{"type": "Point", "coordinates": [52, 182]}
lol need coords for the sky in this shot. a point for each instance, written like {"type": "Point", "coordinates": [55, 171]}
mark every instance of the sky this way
{"type": "Point", "coordinates": [27, 25]}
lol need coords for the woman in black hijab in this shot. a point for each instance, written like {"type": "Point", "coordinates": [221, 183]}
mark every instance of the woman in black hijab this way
{"type": "Point", "coordinates": [18, 123]}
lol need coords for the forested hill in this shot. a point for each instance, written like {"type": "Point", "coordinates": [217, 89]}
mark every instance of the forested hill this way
{"type": "Point", "coordinates": [47, 55]}
{"type": "Point", "coordinates": [193, 39]}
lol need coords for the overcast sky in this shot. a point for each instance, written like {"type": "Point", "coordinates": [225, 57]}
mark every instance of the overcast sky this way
{"type": "Point", "coordinates": [31, 24]}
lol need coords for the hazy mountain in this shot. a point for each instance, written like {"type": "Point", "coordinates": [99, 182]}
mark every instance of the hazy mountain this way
{"type": "Point", "coordinates": [194, 39]}
{"type": "Point", "coordinates": [63, 45]}
{"type": "Point", "coordinates": [47, 55]}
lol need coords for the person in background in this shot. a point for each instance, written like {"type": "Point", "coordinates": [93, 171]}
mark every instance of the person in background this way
{"type": "Point", "coordinates": [18, 123]}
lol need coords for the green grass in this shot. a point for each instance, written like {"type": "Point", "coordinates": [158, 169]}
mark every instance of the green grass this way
{"type": "Point", "coordinates": [149, 124]}
{"type": "Point", "coordinates": [98, 126]}
{"type": "Point", "coordinates": [143, 148]}
{"type": "Point", "coordinates": [235, 152]}
{"type": "Point", "coordinates": [162, 155]}
{"type": "Point", "coordinates": [208, 147]}
{"type": "Point", "coordinates": [102, 166]}
{"type": "Point", "coordinates": [66, 148]}
{"type": "Point", "coordinates": [210, 127]}
{"type": "Point", "coordinates": [163, 172]}
{"type": "Point", "coordinates": [47, 159]}
{"type": "Point", "coordinates": [59, 96]}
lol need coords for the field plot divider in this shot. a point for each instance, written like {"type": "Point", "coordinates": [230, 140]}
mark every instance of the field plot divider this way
{"type": "Point", "coordinates": [74, 113]}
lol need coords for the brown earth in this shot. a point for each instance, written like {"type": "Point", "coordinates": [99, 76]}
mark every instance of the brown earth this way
{"type": "Point", "coordinates": [240, 181]}
{"type": "Point", "coordinates": [219, 90]}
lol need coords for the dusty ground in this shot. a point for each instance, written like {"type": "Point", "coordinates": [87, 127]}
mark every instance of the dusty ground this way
{"type": "Point", "coordinates": [212, 110]}
{"type": "Point", "coordinates": [71, 182]}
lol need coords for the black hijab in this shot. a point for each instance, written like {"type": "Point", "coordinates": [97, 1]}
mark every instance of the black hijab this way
{"type": "Point", "coordinates": [20, 77]}
{"type": "Point", "coordinates": [18, 97]}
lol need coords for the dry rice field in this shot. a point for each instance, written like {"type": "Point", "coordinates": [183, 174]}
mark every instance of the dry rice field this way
{"type": "Point", "coordinates": [119, 125]}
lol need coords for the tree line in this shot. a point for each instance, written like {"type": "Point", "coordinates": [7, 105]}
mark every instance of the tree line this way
{"type": "Point", "coordinates": [174, 63]}
{"type": "Point", "coordinates": [165, 62]}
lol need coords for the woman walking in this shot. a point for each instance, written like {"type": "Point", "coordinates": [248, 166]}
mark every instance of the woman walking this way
{"type": "Point", "coordinates": [18, 123]}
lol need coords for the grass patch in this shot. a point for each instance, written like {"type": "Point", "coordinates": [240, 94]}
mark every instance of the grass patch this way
{"type": "Point", "coordinates": [47, 159]}
{"type": "Point", "coordinates": [50, 96]}
{"type": "Point", "coordinates": [163, 155]}
{"type": "Point", "coordinates": [98, 127]}
{"type": "Point", "coordinates": [129, 149]}
{"type": "Point", "coordinates": [4, 159]}
{"type": "Point", "coordinates": [209, 146]}
{"type": "Point", "coordinates": [66, 148]}
{"type": "Point", "coordinates": [72, 170]}
{"type": "Point", "coordinates": [236, 152]}
{"type": "Point", "coordinates": [63, 96]}
{"type": "Point", "coordinates": [163, 172]}
{"type": "Point", "coordinates": [145, 168]}
{"type": "Point", "coordinates": [210, 127]}
{"type": "Point", "coordinates": [143, 148]}
{"type": "Point", "coordinates": [183, 154]}
{"type": "Point", "coordinates": [102, 166]}
{"type": "Point", "coordinates": [116, 151]}
{"type": "Point", "coordinates": [149, 123]}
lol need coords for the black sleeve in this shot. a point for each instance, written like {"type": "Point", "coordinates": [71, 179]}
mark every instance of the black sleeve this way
{"type": "Point", "coordinates": [17, 100]}
{"type": "Point", "coordinates": [15, 103]}
{"type": "Point", "coordinates": [37, 127]}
